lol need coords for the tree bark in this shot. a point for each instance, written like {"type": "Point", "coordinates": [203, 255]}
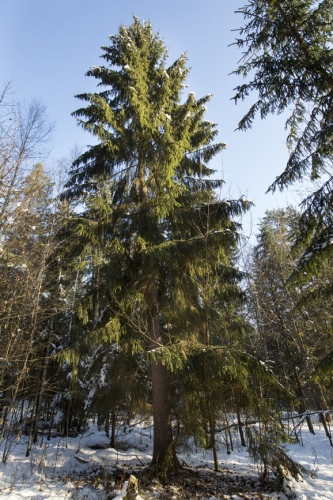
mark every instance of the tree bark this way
{"type": "Point", "coordinates": [213, 443]}
{"type": "Point", "coordinates": [161, 412]}
{"type": "Point", "coordinates": [164, 454]}
{"type": "Point", "coordinates": [240, 428]}
{"type": "Point", "coordinates": [113, 428]}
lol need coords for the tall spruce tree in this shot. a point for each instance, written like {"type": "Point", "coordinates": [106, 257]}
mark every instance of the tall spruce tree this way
{"type": "Point", "coordinates": [288, 59]}
{"type": "Point", "coordinates": [145, 188]}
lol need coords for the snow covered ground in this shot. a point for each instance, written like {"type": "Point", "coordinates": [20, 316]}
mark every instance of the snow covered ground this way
{"type": "Point", "coordinates": [55, 471]}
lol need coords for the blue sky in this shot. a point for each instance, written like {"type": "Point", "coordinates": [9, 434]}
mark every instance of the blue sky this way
{"type": "Point", "coordinates": [47, 46]}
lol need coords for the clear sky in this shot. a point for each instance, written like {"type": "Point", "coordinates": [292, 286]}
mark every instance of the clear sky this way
{"type": "Point", "coordinates": [46, 47]}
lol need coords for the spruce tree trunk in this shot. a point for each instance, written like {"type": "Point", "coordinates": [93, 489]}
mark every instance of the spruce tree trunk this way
{"type": "Point", "coordinates": [240, 428]}
{"type": "Point", "coordinates": [113, 427]}
{"type": "Point", "coordinates": [213, 443]}
{"type": "Point", "coordinates": [107, 424]}
{"type": "Point", "coordinates": [164, 457]}
{"type": "Point", "coordinates": [161, 412]}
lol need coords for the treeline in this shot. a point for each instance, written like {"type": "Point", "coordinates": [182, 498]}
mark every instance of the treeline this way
{"type": "Point", "coordinates": [123, 292]}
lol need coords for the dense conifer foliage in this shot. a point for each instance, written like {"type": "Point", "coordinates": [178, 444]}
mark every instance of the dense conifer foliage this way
{"type": "Point", "coordinates": [288, 59]}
